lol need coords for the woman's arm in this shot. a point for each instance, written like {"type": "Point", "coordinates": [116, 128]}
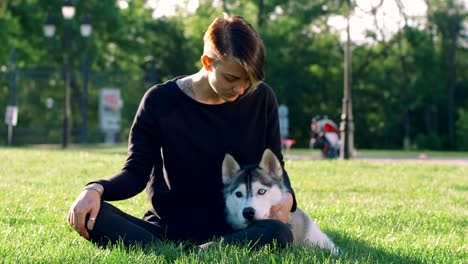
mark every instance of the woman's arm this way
{"type": "Point", "coordinates": [143, 153]}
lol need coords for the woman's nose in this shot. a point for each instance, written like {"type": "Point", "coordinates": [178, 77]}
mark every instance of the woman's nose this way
{"type": "Point", "coordinates": [240, 88]}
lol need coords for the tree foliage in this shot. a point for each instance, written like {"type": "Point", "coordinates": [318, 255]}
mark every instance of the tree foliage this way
{"type": "Point", "coordinates": [414, 82]}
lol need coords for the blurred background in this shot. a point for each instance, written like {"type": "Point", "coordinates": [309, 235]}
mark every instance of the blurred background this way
{"type": "Point", "coordinates": [73, 72]}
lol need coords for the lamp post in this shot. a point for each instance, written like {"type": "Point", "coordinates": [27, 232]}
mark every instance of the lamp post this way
{"type": "Point", "coordinates": [68, 12]}
{"type": "Point", "coordinates": [347, 123]}
{"type": "Point", "coordinates": [12, 108]}
{"type": "Point", "coordinates": [85, 30]}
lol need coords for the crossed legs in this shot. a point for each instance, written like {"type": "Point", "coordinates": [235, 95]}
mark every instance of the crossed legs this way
{"type": "Point", "coordinates": [113, 225]}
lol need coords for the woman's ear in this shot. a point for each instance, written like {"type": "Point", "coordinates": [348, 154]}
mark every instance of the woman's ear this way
{"type": "Point", "coordinates": [207, 62]}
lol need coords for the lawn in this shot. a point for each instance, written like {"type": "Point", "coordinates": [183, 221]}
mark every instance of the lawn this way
{"type": "Point", "coordinates": [376, 212]}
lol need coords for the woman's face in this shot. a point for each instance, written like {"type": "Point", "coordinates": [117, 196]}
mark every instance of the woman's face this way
{"type": "Point", "coordinates": [228, 79]}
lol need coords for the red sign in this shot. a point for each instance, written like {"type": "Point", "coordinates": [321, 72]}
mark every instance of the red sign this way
{"type": "Point", "coordinates": [288, 142]}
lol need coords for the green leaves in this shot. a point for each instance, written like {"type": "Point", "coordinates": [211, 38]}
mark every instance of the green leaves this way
{"type": "Point", "coordinates": [304, 62]}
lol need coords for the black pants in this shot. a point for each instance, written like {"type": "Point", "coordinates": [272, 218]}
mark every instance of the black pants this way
{"type": "Point", "coordinates": [113, 225]}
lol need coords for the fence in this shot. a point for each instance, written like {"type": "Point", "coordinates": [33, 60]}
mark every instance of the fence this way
{"type": "Point", "coordinates": [39, 94]}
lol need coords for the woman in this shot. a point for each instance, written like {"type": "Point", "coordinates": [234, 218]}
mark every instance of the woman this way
{"type": "Point", "coordinates": [181, 132]}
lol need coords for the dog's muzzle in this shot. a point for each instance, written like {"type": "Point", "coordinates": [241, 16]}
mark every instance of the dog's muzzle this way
{"type": "Point", "coordinates": [248, 213]}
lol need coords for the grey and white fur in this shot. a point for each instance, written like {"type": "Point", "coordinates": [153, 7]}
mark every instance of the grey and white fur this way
{"type": "Point", "coordinates": [250, 192]}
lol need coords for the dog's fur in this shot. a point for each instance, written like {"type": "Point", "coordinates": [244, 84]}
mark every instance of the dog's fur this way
{"type": "Point", "coordinates": [250, 192]}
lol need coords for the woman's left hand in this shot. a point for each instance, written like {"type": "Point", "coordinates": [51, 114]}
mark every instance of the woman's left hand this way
{"type": "Point", "coordinates": [281, 210]}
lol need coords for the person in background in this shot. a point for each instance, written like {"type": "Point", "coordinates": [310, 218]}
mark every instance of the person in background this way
{"type": "Point", "coordinates": [325, 135]}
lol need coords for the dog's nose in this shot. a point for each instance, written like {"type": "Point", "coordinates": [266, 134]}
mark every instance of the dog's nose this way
{"type": "Point", "coordinates": [248, 213]}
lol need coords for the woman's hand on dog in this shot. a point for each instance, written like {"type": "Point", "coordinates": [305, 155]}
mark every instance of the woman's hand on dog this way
{"type": "Point", "coordinates": [281, 210]}
{"type": "Point", "coordinates": [87, 203]}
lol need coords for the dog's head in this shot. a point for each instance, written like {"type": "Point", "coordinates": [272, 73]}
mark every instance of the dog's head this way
{"type": "Point", "coordinates": [251, 191]}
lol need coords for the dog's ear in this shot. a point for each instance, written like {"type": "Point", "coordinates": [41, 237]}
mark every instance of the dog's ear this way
{"type": "Point", "coordinates": [271, 164]}
{"type": "Point", "coordinates": [230, 167]}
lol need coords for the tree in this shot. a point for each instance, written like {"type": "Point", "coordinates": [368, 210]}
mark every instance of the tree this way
{"type": "Point", "coordinates": [413, 72]}
{"type": "Point", "coordinates": [448, 17]}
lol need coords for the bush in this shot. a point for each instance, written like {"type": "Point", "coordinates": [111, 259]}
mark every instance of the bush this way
{"type": "Point", "coordinates": [428, 142]}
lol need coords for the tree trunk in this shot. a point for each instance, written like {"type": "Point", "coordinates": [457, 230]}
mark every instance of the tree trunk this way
{"type": "Point", "coordinates": [261, 15]}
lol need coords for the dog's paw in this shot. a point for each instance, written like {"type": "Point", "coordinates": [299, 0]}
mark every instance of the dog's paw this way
{"type": "Point", "coordinates": [336, 251]}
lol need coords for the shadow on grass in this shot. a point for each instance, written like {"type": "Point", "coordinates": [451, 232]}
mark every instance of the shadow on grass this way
{"type": "Point", "coordinates": [358, 251]}
{"type": "Point", "coordinates": [352, 251]}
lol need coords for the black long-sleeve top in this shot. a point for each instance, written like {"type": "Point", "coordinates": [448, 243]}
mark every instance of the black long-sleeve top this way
{"type": "Point", "coordinates": [176, 148]}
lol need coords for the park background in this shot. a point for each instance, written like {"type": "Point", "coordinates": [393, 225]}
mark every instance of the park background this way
{"type": "Point", "coordinates": [408, 76]}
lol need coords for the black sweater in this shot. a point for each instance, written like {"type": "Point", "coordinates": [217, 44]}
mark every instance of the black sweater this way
{"type": "Point", "coordinates": [176, 138]}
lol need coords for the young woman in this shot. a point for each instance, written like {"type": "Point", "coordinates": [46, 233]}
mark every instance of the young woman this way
{"type": "Point", "coordinates": [181, 132]}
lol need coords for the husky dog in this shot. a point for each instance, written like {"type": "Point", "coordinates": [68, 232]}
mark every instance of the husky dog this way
{"type": "Point", "coordinates": [250, 192]}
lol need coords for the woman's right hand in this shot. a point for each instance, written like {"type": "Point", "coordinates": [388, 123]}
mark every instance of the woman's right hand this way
{"type": "Point", "coordinates": [87, 203]}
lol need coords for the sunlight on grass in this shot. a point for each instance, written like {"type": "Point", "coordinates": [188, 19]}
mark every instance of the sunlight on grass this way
{"type": "Point", "coordinates": [375, 212]}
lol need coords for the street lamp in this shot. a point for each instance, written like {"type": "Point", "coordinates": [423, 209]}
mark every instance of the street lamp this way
{"type": "Point", "coordinates": [85, 27]}
{"type": "Point", "coordinates": [49, 32]}
{"type": "Point", "coordinates": [68, 12]}
{"type": "Point", "coordinates": [347, 124]}
{"type": "Point", "coordinates": [49, 27]}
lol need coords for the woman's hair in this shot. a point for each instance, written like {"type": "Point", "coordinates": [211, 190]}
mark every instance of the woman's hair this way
{"type": "Point", "coordinates": [232, 36]}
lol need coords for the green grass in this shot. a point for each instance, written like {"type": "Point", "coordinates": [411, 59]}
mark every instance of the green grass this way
{"type": "Point", "coordinates": [375, 212]}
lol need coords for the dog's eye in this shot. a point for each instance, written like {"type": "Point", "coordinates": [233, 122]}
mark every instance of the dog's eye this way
{"type": "Point", "coordinates": [238, 194]}
{"type": "Point", "coordinates": [261, 191]}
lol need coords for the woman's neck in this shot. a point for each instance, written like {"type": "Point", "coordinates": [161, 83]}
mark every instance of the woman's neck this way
{"type": "Point", "coordinates": [198, 88]}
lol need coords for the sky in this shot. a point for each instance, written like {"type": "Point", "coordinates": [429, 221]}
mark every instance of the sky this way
{"type": "Point", "coordinates": [388, 18]}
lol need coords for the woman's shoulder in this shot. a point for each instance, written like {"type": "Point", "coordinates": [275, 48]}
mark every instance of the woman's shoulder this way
{"type": "Point", "coordinates": [264, 90]}
{"type": "Point", "coordinates": [161, 96]}
{"type": "Point", "coordinates": [162, 91]}
{"type": "Point", "coordinates": [162, 88]}
{"type": "Point", "coordinates": [267, 87]}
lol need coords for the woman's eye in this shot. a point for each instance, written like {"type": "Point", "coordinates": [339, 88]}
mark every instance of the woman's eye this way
{"type": "Point", "coordinates": [261, 191]}
{"type": "Point", "coordinates": [238, 194]}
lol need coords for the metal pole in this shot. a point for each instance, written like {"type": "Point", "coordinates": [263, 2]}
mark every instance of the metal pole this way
{"type": "Point", "coordinates": [347, 125]}
{"type": "Point", "coordinates": [10, 135]}
{"type": "Point", "coordinates": [12, 93]}
{"type": "Point", "coordinates": [67, 110]}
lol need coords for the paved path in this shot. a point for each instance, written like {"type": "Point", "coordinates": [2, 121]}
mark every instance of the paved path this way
{"type": "Point", "coordinates": [454, 161]}
{"type": "Point", "coordinates": [463, 162]}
